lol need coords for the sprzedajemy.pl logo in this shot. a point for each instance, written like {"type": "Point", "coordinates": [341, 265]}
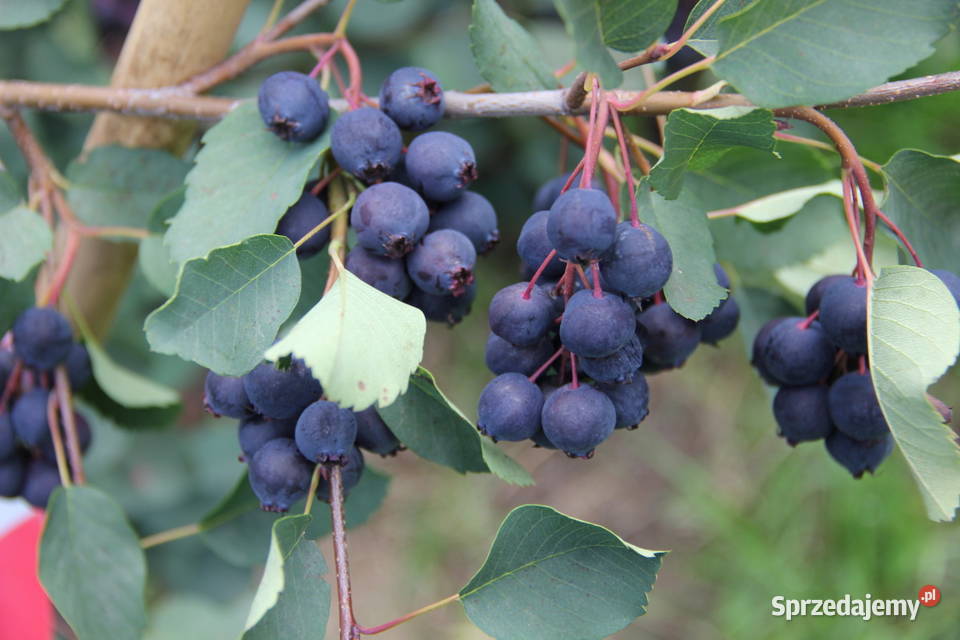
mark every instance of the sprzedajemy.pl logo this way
{"type": "Point", "coordinates": [866, 607]}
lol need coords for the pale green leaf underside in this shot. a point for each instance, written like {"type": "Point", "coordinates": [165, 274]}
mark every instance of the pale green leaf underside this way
{"type": "Point", "coordinates": [914, 336]}
{"type": "Point", "coordinates": [506, 55]}
{"type": "Point", "coordinates": [24, 241]}
{"type": "Point", "coordinates": [228, 306]}
{"type": "Point", "coordinates": [17, 14]}
{"type": "Point", "coordinates": [552, 577]}
{"type": "Point", "coordinates": [125, 387]}
{"type": "Point", "coordinates": [582, 20]}
{"type": "Point", "coordinates": [359, 342]}
{"type": "Point", "coordinates": [785, 203]}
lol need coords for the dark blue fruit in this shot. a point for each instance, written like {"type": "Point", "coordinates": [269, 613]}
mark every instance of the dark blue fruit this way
{"type": "Point", "coordinates": [812, 301]}
{"type": "Point", "coordinates": [721, 322]}
{"type": "Point", "coordinates": [441, 165]}
{"type": "Point", "coordinates": [305, 214]}
{"type": "Point", "coordinates": [504, 357]}
{"type": "Point", "coordinates": [374, 435]}
{"type": "Point", "coordinates": [255, 431]}
{"type": "Point", "coordinates": [722, 278]}
{"type": "Point", "coordinates": [534, 246]}
{"type": "Point", "coordinates": [412, 97]}
{"type": "Point", "coordinates": [279, 475]}
{"type": "Point", "coordinates": [796, 356]}
{"type": "Point", "coordinates": [29, 418]}
{"type": "Point", "coordinates": [325, 432]}
{"type": "Point", "coordinates": [84, 436]}
{"type": "Point", "coordinates": [366, 143]}
{"type": "Point", "coordinates": [856, 455]}
{"type": "Point", "coordinates": [281, 393]}
{"type": "Point", "coordinates": [760, 342]}
{"type": "Point", "coordinates": [351, 472]}
{"type": "Point", "coordinates": [854, 407]}
{"type": "Point", "coordinates": [509, 408]}
{"type": "Point", "coordinates": [390, 219]}
{"type": "Point", "coordinates": [582, 224]}
{"type": "Point", "coordinates": [42, 338]}
{"type": "Point", "coordinates": [577, 420]}
{"type": "Point", "coordinates": [389, 275]}
{"type": "Point", "coordinates": [472, 215]}
{"type": "Point", "coordinates": [843, 314]}
{"type": "Point", "coordinates": [950, 279]}
{"type": "Point", "coordinates": [802, 414]}
{"type": "Point", "coordinates": [596, 327]}
{"type": "Point", "coordinates": [78, 366]}
{"type": "Point", "coordinates": [630, 400]}
{"type": "Point", "coordinates": [12, 474]}
{"type": "Point", "coordinates": [40, 481]}
{"type": "Point", "coordinates": [549, 191]}
{"type": "Point", "coordinates": [619, 366]}
{"type": "Point", "coordinates": [226, 396]}
{"type": "Point", "coordinates": [639, 263]}
{"type": "Point", "coordinates": [448, 309]}
{"type": "Point", "coordinates": [518, 320]}
{"type": "Point", "coordinates": [8, 438]}
{"type": "Point", "coordinates": [668, 338]}
{"type": "Point", "coordinates": [443, 263]}
{"type": "Point", "coordinates": [293, 106]}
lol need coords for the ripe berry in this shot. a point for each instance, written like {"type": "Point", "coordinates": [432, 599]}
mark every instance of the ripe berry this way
{"type": "Point", "coordinates": [596, 327]}
{"type": "Point", "coordinates": [582, 224]}
{"type": "Point", "coordinates": [281, 393]}
{"type": "Point", "coordinates": [843, 314]}
{"type": "Point", "coordinates": [225, 396]}
{"type": "Point", "coordinates": [40, 481]}
{"type": "Point", "coordinates": [389, 275]}
{"type": "Point", "coordinates": [950, 279]}
{"type": "Point", "coordinates": [549, 191]}
{"type": "Point", "coordinates": [534, 245]}
{"type": "Point", "coordinates": [390, 219]}
{"type": "Point", "coordinates": [721, 322]}
{"type": "Point", "coordinates": [472, 215]}
{"type": "Point", "coordinates": [29, 418]}
{"type": "Point", "coordinates": [630, 401]}
{"type": "Point", "coordinates": [802, 413]}
{"type": "Point", "coordinates": [374, 435]}
{"type": "Point", "coordinates": [577, 420]}
{"type": "Point", "coordinates": [366, 143]}
{"type": "Point", "coordinates": [293, 106]}
{"type": "Point", "coordinates": [441, 165]}
{"type": "Point", "coordinates": [854, 407]}
{"type": "Point", "coordinates": [12, 474]}
{"type": "Point", "coordinates": [279, 475]}
{"type": "Point", "coordinates": [518, 320]}
{"type": "Point", "coordinates": [443, 263]}
{"type": "Point", "coordinates": [412, 97]}
{"type": "Point", "coordinates": [42, 338]}
{"type": "Point", "coordinates": [504, 357]}
{"type": "Point", "coordinates": [639, 263]}
{"type": "Point", "coordinates": [858, 456]}
{"type": "Point", "coordinates": [350, 473]}
{"type": "Point", "coordinates": [448, 309]}
{"type": "Point", "coordinates": [760, 342]}
{"type": "Point", "coordinates": [79, 370]}
{"type": "Point", "coordinates": [325, 432]}
{"type": "Point", "coordinates": [815, 294]}
{"type": "Point", "coordinates": [8, 438]}
{"type": "Point", "coordinates": [255, 431]}
{"type": "Point", "coordinates": [668, 338]}
{"type": "Point", "coordinates": [305, 214]}
{"type": "Point", "coordinates": [509, 408]}
{"type": "Point", "coordinates": [619, 366]}
{"type": "Point", "coordinates": [796, 356]}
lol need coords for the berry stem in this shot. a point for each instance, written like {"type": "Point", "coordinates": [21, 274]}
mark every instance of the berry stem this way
{"type": "Point", "coordinates": [312, 491]}
{"type": "Point", "coordinates": [170, 535]}
{"type": "Point", "coordinates": [54, 425]}
{"type": "Point", "coordinates": [863, 266]}
{"type": "Point", "coordinates": [355, 90]}
{"type": "Point", "coordinates": [323, 182]}
{"type": "Point", "coordinates": [805, 324]}
{"type": "Point", "coordinates": [59, 279]}
{"type": "Point", "coordinates": [573, 175]}
{"type": "Point", "coordinates": [348, 630]}
{"type": "Point", "coordinates": [65, 400]}
{"type": "Point", "coordinates": [573, 371]}
{"type": "Point", "coordinates": [536, 274]}
{"type": "Point", "coordinates": [546, 365]}
{"type": "Point", "coordinates": [862, 365]}
{"type": "Point", "coordinates": [325, 59]}
{"type": "Point", "coordinates": [595, 271]}
{"type": "Point", "coordinates": [598, 123]}
{"type": "Point", "coordinates": [330, 219]}
{"type": "Point", "coordinates": [566, 281]}
{"type": "Point", "coordinates": [900, 236]}
{"type": "Point", "coordinates": [583, 277]}
{"type": "Point", "coordinates": [658, 297]}
{"type": "Point", "coordinates": [369, 631]}
{"type": "Point", "coordinates": [627, 170]}
{"type": "Point", "coordinates": [13, 382]}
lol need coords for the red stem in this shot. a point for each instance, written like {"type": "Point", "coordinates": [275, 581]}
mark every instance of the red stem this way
{"type": "Point", "coordinates": [322, 184]}
{"type": "Point", "coordinates": [63, 269]}
{"type": "Point", "coordinates": [863, 266]}
{"type": "Point", "coordinates": [900, 235]}
{"type": "Point", "coordinates": [566, 281]}
{"type": "Point", "coordinates": [597, 291]}
{"type": "Point", "coordinates": [546, 365]}
{"type": "Point", "coordinates": [324, 59]}
{"type": "Point", "coordinates": [862, 365]}
{"type": "Point", "coordinates": [595, 142]}
{"type": "Point", "coordinates": [583, 277]}
{"type": "Point", "coordinates": [627, 170]}
{"type": "Point", "coordinates": [658, 297]}
{"type": "Point", "coordinates": [536, 274]}
{"type": "Point", "coordinates": [573, 370]}
{"type": "Point", "coordinates": [803, 326]}
{"type": "Point", "coordinates": [355, 90]}
{"type": "Point", "coordinates": [573, 175]}
{"type": "Point", "coordinates": [12, 383]}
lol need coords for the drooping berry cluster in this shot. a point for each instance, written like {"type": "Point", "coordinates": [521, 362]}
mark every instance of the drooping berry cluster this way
{"type": "Point", "coordinates": [42, 341]}
{"type": "Point", "coordinates": [593, 308]}
{"type": "Point", "coordinates": [820, 365]}
{"type": "Point", "coordinates": [286, 428]}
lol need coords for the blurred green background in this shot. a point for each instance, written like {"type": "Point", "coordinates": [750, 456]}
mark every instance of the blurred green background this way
{"type": "Point", "coordinates": [746, 518]}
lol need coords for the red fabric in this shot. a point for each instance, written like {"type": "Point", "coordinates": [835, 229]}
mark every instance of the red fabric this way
{"type": "Point", "coordinates": [25, 611]}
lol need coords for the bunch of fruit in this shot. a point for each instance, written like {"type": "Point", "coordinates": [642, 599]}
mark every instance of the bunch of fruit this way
{"type": "Point", "coordinates": [42, 342]}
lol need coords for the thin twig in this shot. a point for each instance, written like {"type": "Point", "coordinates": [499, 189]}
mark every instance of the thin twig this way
{"type": "Point", "coordinates": [58, 449]}
{"type": "Point", "coordinates": [68, 419]}
{"type": "Point", "coordinates": [170, 535]}
{"type": "Point", "coordinates": [348, 629]}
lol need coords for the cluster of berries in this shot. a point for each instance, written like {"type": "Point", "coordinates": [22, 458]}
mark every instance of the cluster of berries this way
{"type": "Point", "coordinates": [820, 365]}
{"type": "Point", "coordinates": [286, 428]}
{"type": "Point", "coordinates": [611, 326]}
{"type": "Point", "coordinates": [418, 229]}
{"type": "Point", "coordinates": [42, 341]}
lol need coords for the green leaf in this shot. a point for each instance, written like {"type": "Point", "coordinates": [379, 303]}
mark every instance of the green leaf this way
{"type": "Point", "coordinates": [292, 601]}
{"type": "Point", "coordinates": [155, 263]}
{"type": "Point", "coordinates": [923, 192]}
{"type": "Point", "coordinates": [808, 52]}
{"type": "Point", "coordinates": [360, 343]}
{"type": "Point", "coordinates": [228, 306]}
{"type": "Point", "coordinates": [552, 577]}
{"type": "Point", "coordinates": [582, 20]}
{"type": "Point", "coordinates": [914, 336]}
{"type": "Point", "coordinates": [705, 39]}
{"type": "Point", "coordinates": [244, 181]}
{"type": "Point", "coordinates": [9, 191]}
{"type": "Point", "coordinates": [91, 565]}
{"type": "Point", "coordinates": [698, 139]}
{"type": "Point", "coordinates": [25, 239]}
{"type": "Point", "coordinates": [432, 427]}
{"type": "Point", "coordinates": [505, 54]}
{"type": "Point", "coordinates": [17, 14]}
{"type": "Point", "coordinates": [17, 297]}
{"type": "Point", "coordinates": [119, 186]}
{"type": "Point", "coordinates": [632, 25]}
{"type": "Point", "coordinates": [785, 203]}
{"type": "Point", "coordinates": [692, 289]}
